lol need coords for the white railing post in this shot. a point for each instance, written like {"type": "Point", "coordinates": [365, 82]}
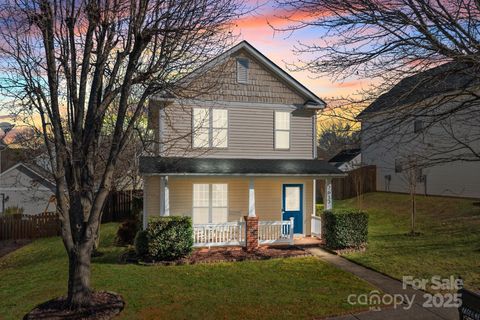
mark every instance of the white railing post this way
{"type": "Point", "coordinates": [291, 230]}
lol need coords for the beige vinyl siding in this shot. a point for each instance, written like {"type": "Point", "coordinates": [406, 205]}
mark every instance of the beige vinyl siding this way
{"type": "Point", "coordinates": [268, 196]}
{"type": "Point", "coordinates": [151, 195]}
{"type": "Point", "coordinates": [250, 134]}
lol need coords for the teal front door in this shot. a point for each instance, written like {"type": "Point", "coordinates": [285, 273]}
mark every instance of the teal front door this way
{"type": "Point", "coordinates": [292, 205]}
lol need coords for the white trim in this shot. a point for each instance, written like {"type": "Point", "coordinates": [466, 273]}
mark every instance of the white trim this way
{"type": "Point", "coordinates": [192, 103]}
{"type": "Point", "coordinates": [210, 201]}
{"type": "Point", "coordinates": [265, 61]}
{"type": "Point", "coordinates": [164, 197]}
{"type": "Point", "coordinates": [26, 167]}
{"type": "Point", "coordinates": [145, 214]}
{"type": "Point", "coordinates": [314, 138]}
{"type": "Point", "coordinates": [328, 196]}
{"type": "Point", "coordinates": [289, 130]}
{"type": "Point", "coordinates": [14, 167]}
{"type": "Point", "coordinates": [32, 188]}
{"type": "Point", "coordinates": [166, 211]}
{"type": "Point", "coordinates": [251, 198]}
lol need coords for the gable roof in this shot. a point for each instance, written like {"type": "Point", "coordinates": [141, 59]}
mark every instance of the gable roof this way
{"type": "Point", "coordinates": [345, 155]}
{"type": "Point", "coordinates": [312, 100]}
{"type": "Point", "coordinates": [34, 172]}
{"type": "Point", "coordinates": [430, 83]}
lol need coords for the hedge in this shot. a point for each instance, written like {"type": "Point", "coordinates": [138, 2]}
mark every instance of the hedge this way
{"type": "Point", "coordinates": [166, 238]}
{"type": "Point", "coordinates": [345, 228]}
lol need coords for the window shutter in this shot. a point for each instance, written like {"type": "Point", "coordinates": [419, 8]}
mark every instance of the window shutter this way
{"type": "Point", "coordinates": [242, 70]}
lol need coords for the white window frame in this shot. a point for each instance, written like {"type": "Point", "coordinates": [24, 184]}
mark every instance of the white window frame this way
{"type": "Point", "coordinates": [210, 205]}
{"type": "Point", "coordinates": [275, 130]}
{"type": "Point", "coordinates": [211, 128]}
{"type": "Point", "coordinates": [196, 128]}
{"type": "Point", "coordinates": [214, 127]}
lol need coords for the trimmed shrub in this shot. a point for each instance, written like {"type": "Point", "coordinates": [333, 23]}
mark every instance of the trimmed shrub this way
{"type": "Point", "coordinates": [126, 232]}
{"type": "Point", "coordinates": [168, 238]}
{"type": "Point", "coordinates": [345, 228]}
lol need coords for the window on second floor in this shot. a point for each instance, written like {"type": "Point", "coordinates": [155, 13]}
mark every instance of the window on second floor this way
{"type": "Point", "coordinates": [417, 126]}
{"type": "Point", "coordinates": [398, 166]}
{"type": "Point", "coordinates": [282, 130]}
{"type": "Point", "coordinates": [210, 128]}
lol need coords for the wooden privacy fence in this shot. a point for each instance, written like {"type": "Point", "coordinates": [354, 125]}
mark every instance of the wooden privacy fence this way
{"type": "Point", "coordinates": [121, 205]}
{"type": "Point", "coordinates": [358, 181]}
{"type": "Point", "coordinates": [23, 226]}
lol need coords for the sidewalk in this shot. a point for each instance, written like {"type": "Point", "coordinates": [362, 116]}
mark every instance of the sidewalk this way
{"type": "Point", "coordinates": [387, 285]}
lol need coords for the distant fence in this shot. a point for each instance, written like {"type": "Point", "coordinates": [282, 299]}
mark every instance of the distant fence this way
{"type": "Point", "coordinates": [23, 226]}
{"type": "Point", "coordinates": [121, 205]}
{"type": "Point", "coordinates": [358, 181]}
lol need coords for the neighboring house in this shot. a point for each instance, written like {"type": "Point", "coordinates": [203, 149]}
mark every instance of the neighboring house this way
{"type": "Point", "coordinates": [412, 151]}
{"type": "Point", "coordinates": [347, 160]}
{"type": "Point", "coordinates": [28, 187]}
{"type": "Point", "coordinates": [247, 148]}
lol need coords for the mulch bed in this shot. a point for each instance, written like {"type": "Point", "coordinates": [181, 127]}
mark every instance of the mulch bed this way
{"type": "Point", "coordinates": [7, 246]}
{"type": "Point", "coordinates": [226, 254]}
{"type": "Point", "coordinates": [105, 305]}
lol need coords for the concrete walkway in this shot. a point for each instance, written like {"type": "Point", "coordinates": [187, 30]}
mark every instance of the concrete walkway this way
{"type": "Point", "coordinates": [389, 286]}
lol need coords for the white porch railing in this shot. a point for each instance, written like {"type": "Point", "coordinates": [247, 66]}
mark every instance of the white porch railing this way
{"type": "Point", "coordinates": [223, 234]}
{"type": "Point", "coordinates": [270, 232]}
{"type": "Point", "coordinates": [316, 226]}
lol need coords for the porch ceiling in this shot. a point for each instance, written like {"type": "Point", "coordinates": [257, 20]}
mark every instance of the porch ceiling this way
{"type": "Point", "coordinates": [243, 167]}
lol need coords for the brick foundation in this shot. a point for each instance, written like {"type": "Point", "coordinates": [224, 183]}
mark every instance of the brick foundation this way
{"type": "Point", "coordinates": [251, 233]}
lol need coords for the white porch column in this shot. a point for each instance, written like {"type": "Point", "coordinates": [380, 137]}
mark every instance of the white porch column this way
{"type": "Point", "coordinates": [328, 198]}
{"type": "Point", "coordinates": [164, 197]}
{"type": "Point", "coordinates": [145, 214]}
{"type": "Point", "coordinates": [251, 198]}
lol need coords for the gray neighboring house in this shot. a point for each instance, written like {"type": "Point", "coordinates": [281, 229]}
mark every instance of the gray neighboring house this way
{"type": "Point", "coordinates": [347, 159]}
{"type": "Point", "coordinates": [27, 186]}
{"type": "Point", "coordinates": [390, 142]}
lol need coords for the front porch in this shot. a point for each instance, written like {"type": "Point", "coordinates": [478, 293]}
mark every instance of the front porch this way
{"type": "Point", "coordinates": [241, 206]}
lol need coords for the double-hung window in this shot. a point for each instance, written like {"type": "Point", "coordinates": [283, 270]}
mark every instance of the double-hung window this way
{"type": "Point", "coordinates": [210, 203]}
{"type": "Point", "coordinates": [210, 128]}
{"type": "Point", "coordinates": [282, 130]}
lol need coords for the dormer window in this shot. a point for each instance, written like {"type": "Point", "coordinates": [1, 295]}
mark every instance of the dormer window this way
{"type": "Point", "coordinates": [243, 65]}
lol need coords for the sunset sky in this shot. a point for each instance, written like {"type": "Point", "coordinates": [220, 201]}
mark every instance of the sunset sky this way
{"type": "Point", "coordinates": [278, 46]}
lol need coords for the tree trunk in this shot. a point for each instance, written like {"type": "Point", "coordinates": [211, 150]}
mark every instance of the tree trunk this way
{"type": "Point", "coordinates": [79, 291]}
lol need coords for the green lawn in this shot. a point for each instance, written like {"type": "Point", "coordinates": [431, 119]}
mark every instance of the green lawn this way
{"type": "Point", "coordinates": [274, 289]}
{"type": "Point", "coordinates": [449, 243]}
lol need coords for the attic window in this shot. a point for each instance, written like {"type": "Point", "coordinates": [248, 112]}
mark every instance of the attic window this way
{"type": "Point", "coordinates": [242, 70]}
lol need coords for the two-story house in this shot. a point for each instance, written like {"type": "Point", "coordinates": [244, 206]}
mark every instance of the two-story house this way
{"type": "Point", "coordinates": [423, 134]}
{"type": "Point", "coordinates": [245, 148]}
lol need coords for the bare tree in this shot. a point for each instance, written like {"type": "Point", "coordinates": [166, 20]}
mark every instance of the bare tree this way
{"type": "Point", "coordinates": [387, 42]}
{"type": "Point", "coordinates": [336, 136]}
{"type": "Point", "coordinates": [70, 63]}
{"type": "Point", "coordinates": [412, 172]}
